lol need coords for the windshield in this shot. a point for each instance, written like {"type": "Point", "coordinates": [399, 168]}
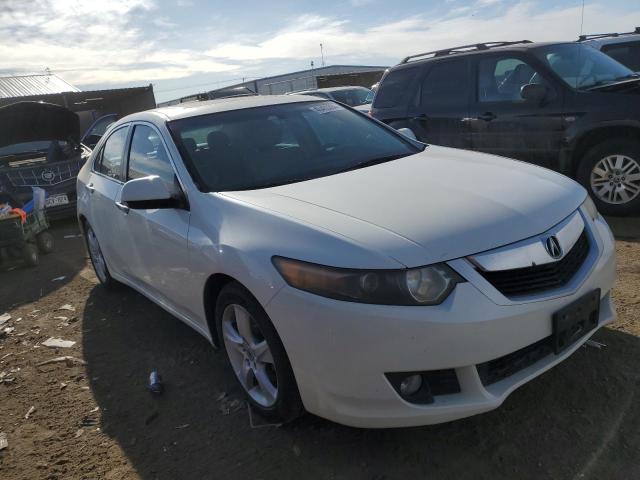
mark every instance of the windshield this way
{"type": "Point", "coordinates": [25, 147]}
{"type": "Point", "coordinates": [353, 97]}
{"type": "Point", "coordinates": [582, 67]}
{"type": "Point", "coordinates": [279, 144]}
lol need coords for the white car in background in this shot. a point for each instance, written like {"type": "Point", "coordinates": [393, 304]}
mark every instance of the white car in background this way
{"type": "Point", "coordinates": [342, 267]}
{"type": "Point", "coordinates": [359, 98]}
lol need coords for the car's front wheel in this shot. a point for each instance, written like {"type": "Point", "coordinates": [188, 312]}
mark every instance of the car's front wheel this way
{"type": "Point", "coordinates": [256, 354]}
{"type": "Point", "coordinates": [97, 259]}
{"type": "Point", "coordinates": [610, 171]}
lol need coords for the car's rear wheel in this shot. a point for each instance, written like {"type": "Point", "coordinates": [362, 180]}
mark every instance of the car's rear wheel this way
{"type": "Point", "coordinates": [97, 259]}
{"type": "Point", "coordinates": [610, 171]}
{"type": "Point", "coordinates": [256, 354]}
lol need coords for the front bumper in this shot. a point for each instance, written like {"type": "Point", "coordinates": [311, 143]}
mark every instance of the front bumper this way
{"type": "Point", "coordinates": [340, 351]}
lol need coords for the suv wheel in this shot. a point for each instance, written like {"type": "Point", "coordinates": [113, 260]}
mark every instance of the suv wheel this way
{"type": "Point", "coordinates": [610, 171]}
{"type": "Point", "coordinates": [256, 355]}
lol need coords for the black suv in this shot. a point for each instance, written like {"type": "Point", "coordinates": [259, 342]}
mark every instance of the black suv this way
{"type": "Point", "coordinates": [564, 106]}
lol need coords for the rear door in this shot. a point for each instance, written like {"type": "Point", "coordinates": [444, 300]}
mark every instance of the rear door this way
{"type": "Point", "coordinates": [503, 123]}
{"type": "Point", "coordinates": [104, 186]}
{"type": "Point", "coordinates": [156, 248]}
{"type": "Point", "coordinates": [439, 108]}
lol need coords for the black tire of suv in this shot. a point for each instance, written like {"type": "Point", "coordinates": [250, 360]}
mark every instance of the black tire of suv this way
{"type": "Point", "coordinates": [614, 146]}
{"type": "Point", "coordinates": [288, 405]}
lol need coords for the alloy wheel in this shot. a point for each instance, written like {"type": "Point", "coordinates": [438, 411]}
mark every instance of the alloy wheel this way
{"type": "Point", "coordinates": [97, 258]}
{"type": "Point", "coordinates": [615, 179]}
{"type": "Point", "coordinates": [249, 355]}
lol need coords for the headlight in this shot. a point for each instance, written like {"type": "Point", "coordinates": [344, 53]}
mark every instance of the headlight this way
{"type": "Point", "coordinates": [415, 286]}
{"type": "Point", "coordinates": [590, 208]}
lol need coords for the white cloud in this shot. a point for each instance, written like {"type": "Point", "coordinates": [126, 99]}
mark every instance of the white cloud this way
{"type": "Point", "coordinates": [94, 42]}
{"type": "Point", "coordinates": [418, 33]}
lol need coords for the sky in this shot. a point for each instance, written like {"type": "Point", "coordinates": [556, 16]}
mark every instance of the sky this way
{"type": "Point", "coordinates": [189, 46]}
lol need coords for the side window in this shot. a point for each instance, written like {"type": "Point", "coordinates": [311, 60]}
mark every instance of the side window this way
{"type": "Point", "coordinates": [394, 87]}
{"type": "Point", "coordinates": [501, 78]}
{"type": "Point", "coordinates": [627, 54]}
{"type": "Point", "coordinates": [148, 156]}
{"type": "Point", "coordinates": [110, 163]}
{"type": "Point", "coordinates": [446, 85]}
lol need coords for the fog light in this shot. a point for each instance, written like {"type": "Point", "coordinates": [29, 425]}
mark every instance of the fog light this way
{"type": "Point", "coordinates": [410, 385]}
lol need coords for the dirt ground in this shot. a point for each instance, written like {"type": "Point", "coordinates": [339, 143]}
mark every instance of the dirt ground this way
{"type": "Point", "coordinates": [581, 420]}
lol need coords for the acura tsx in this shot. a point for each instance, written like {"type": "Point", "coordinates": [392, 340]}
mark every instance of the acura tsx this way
{"type": "Point", "coordinates": [342, 267]}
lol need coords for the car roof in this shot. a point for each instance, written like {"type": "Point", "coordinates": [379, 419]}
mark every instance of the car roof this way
{"type": "Point", "coordinates": [193, 109]}
{"type": "Point", "coordinates": [334, 89]}
{"type": "Point", "coordinates": [509, 47]}
{"type": "Point", "coordinates": [622, 38]}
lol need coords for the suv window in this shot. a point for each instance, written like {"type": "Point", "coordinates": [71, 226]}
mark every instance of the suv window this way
{"type": "Point", "coordinates": [500, 79]}
{"type": "Point", "coordinates": [147, 155]}
{"type": "Point", "coordinates": [446, 84]}
{"type": "Point", "coordinates": [627, 54]}
{"type": "Point", "coordinates": [110, 159]}
{"type": "Point", "coordinates": [393, 87]}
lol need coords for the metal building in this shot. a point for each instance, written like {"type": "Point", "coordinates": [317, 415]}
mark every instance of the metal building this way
{"type": "Point", "coordinates": [287, 82]}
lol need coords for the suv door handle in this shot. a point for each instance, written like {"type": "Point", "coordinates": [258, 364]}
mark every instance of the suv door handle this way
{"type": "Point", "coordinates": [90, 187]}
{"type": "Point", "coordinates": [122, 207]}
{"type": "Point", "coordinates": [487, 116]}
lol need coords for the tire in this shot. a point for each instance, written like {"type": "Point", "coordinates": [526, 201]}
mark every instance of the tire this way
{"type": "Point", "coordinates": [30, 255]}
{"type": "Point", "coordinates": [599, 165]}
{"type": "Point", "coordinates": [45, 242]}
{"type": "Point", "coordinates": [97, 259]}
{"type": "Point", "coordinates": [283, 406]}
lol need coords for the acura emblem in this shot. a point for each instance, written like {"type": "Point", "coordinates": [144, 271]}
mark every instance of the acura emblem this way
{"type": "Point", "coordinates": [48, 175]}
{"type": "Point", "coordinates": [552, 245]}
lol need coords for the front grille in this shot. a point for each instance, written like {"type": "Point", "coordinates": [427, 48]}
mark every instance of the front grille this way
{"type": "Point", "coordinates": [503, 367]}
{"type": "Point", "coordinates": [528, 280]}
{"type": "Point", "coordinates": [44, 175]}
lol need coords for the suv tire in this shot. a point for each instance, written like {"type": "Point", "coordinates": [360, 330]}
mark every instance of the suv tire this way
{"type": "Point", "coordinates": [596, 157]}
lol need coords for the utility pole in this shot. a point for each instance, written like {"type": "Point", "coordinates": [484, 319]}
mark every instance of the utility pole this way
{"type": "Point", "coordinates": [322, 54]}
{"type": "Point", "coordinates": [313, 77]}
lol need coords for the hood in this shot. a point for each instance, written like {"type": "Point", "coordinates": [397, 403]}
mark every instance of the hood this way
{"type": "Point", "coordinates": [32, 121]}
{"type": "Point", "coordinates": [630, 86]}
{"type": "Point", "coordinates": [443, 203]}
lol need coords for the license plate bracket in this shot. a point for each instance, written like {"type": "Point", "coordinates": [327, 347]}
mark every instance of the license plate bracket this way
{"type": "Point", "coordinates": [575, 320]}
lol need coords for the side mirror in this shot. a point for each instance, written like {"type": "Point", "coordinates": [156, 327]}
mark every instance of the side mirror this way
{"type": "Point", "coordinates": [535, 92]}
{"type": "Point", "coordinates": [149, 192]}
{"type": "Point", "coordinates": [407, 132]}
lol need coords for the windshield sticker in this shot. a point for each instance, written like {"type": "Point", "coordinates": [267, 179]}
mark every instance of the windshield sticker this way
{"type": "Point", "coordinates": [325, 107]}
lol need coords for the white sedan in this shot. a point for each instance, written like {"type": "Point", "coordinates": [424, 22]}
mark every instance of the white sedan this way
{"type": "Point", "coordinates": [342, 267]}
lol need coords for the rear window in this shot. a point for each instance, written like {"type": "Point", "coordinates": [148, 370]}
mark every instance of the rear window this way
{"type": "Point", "coordinates": [394, 87]}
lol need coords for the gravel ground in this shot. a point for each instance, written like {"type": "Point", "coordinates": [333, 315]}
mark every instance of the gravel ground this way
{"type": "Point", "coordinates": [71, 420]}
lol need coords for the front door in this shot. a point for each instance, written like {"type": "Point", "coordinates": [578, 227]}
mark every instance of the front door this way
{"type": "Point", "coordinates": [156, 246]}
{"type": "Point", "coordinates": [438, 112]}
{"type": "Point", "coordinates": [104, 187]}
{"type": "Point", "coordinates": [503, 123]}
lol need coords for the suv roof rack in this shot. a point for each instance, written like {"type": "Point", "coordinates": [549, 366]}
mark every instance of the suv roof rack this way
{"type": "Point", "coordinates": [582, 38]}
{"type": "Point", "coordinates": [463, 49]}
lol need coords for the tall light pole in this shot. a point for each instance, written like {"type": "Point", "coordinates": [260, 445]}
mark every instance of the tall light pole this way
{"type": "Point", "coordinates": [313, 77]}
{"type": "Point", "coordinates": [322, 54]}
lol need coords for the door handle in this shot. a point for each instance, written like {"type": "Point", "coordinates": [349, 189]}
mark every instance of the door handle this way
{"type": "Point", "coordinates": [487, 116]}
{"type": "Point", "coordinates": [90, 187]}
{"type": "Point", "coordinates": [122, 207]}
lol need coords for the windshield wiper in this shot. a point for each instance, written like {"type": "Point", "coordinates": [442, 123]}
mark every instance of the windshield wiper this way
{"type": "Point", "coordinates": [609, 83]}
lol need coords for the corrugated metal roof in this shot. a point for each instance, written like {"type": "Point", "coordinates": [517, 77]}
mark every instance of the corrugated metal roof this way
{"type": "Point", "coordinates": [29, 85]}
